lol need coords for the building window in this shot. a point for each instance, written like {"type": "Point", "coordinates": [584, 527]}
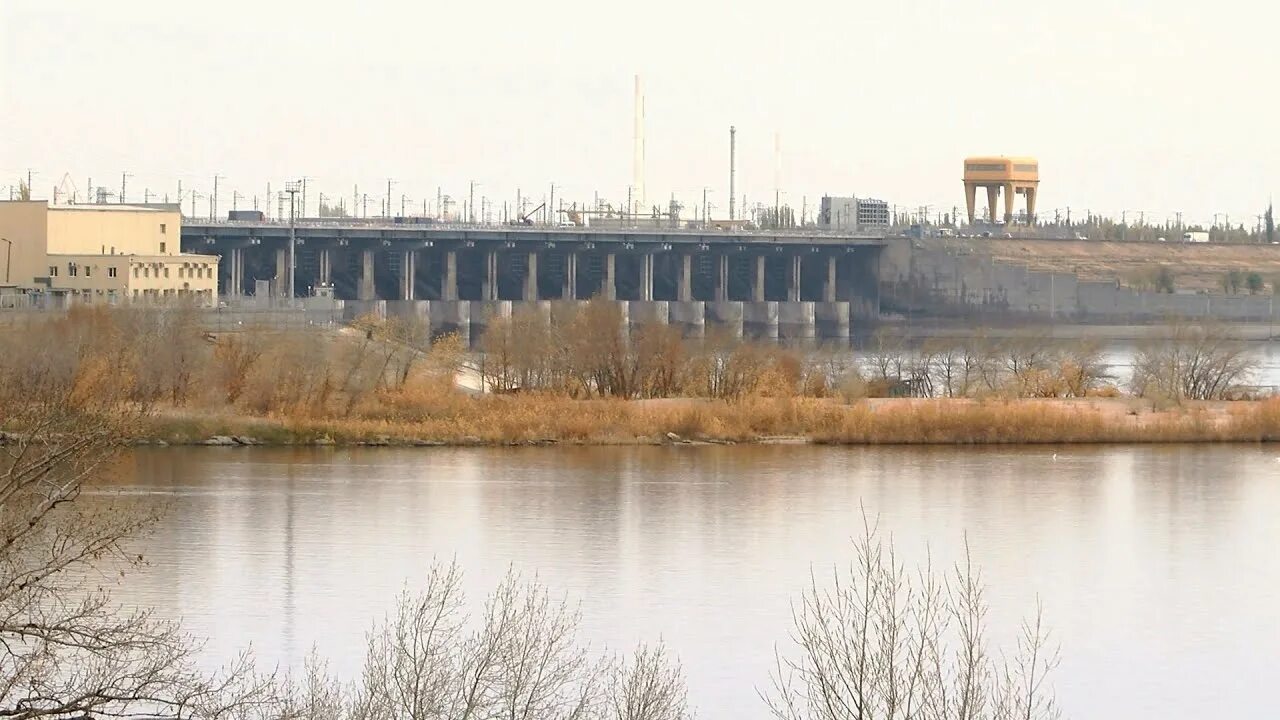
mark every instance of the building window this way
{"type": "Point", "coordinates": [71, 270]}
{"type": "Point", "coordinates": [146, 272]}
{"type": "Point", "coordinates": [163, 230]}
{"type": "Point", "coordinates": [111, 272]}
{"type": "Point", "coordinates": [53, 271]}
{"type": "Point", "coordinates": [166, 271]}
{"type": "Point", "coordinates": [162, 244]}
{"type": "Point", "coordinates": [88, 270]}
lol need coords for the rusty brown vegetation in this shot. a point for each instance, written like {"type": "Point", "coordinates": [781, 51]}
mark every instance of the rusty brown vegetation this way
{"type": "Point", "coordinates": [582, 378]}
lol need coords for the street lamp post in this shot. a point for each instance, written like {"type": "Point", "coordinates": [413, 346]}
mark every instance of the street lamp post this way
{"type": "Point", "coordinates": [293, 188]}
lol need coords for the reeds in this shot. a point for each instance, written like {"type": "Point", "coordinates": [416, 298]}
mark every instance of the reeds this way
{"type": "Point", "coordinates": [531, 419]}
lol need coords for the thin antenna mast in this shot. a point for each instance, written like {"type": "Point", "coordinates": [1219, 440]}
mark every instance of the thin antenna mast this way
{"type": "Point", "coordinates": [637, 179]}
{"type": "Point", "coordinates": [777, 178]}
{"type": "Point", "coordinates": [733, 148]}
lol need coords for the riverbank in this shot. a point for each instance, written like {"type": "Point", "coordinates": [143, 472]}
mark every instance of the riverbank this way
{"type": "Point", "coordinates": [533, 420]}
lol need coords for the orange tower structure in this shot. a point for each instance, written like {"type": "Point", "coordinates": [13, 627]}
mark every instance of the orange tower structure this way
{"type": "Point", "coordinates": [1014, 176]}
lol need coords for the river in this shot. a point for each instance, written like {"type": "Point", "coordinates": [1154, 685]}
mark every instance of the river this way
{"type": "Point", "coordinates": [1157, 566]}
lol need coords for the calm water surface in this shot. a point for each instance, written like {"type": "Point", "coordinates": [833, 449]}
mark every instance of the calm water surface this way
{"type": "Point", "coordinates": [1158, 566]}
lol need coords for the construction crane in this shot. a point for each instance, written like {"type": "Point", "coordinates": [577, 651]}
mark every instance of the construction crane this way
{"type": "Point", "coordinates": [66, 190]}
{"type": "Point", "coordinates": [527, 218]}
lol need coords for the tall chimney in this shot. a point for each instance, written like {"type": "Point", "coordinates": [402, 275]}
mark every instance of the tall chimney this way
{"type": "Point", "coordinates": [732, 152]}
{"type": "Point", "coordinates": [637, 178]}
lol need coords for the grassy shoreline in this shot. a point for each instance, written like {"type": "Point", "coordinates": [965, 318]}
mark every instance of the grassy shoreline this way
{"type": "Point", "coordinates": [534, 420]}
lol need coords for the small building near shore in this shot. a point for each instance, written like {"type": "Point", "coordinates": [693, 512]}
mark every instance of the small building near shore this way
{"type": "Point", "coordinates": [100, 254]}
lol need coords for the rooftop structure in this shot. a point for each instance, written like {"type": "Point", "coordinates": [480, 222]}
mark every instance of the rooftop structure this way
{"type": "Point", "coordinates": [853, 214]}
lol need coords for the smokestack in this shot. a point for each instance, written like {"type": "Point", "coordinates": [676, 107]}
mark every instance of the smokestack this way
{"type": "Point", "coordinates": [637, 178]}
{"type": "Point", "coordinates": [732, 152]}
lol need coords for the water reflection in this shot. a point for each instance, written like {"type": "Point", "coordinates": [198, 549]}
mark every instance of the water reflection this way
{"type": "Point", "coordinates": [1155, 563]}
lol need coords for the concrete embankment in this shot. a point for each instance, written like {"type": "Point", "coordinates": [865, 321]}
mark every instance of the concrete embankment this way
{"type": "Point", "coordinates": [994, 281]}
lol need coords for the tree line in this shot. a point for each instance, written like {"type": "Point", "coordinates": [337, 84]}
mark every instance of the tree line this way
{"type": "Point", "coordinates": [163, 358]}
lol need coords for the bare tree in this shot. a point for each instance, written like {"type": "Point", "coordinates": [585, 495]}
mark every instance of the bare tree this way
{"type": "Point", "coordinates": [727, 368]}
{"type": "Point", "coordinates": [317, 695]}
{"type": "Point", "coordinates": [523, 661]}
{"type": "Point", "coordinates": [169, 352]}
{"type": "Point", "coordinates": [236, 355]}
{"type": "Point", "coordinates": [947, 368]}
{"type": "Point", "coordinates": [660, 359]}
{"type": "Point", "coordinates": [295, 376]}
{"type": "Point", "coordinates": [882, 641]}
{"type": "Point", "coordinates": [887, 356]}
{"type": "Point", "coordinates": [1081, 368]}
{"type": "Point", "coordinates": [598, 351]}
{"type": "Point", "coordinates": [1029, 363]}
{"type": "Point", "coordinates": [647, 686]}
{"type": "Point", "coordinates": [519, 659]}
{"type": "Point", "coordinates": [1192, 362]}
{"type": "Point", "coordinates": [66, 649]}
{"type": "Point", "coordinates": [498, 352]}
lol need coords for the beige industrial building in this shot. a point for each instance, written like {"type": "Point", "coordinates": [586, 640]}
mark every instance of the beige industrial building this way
{"type": "Point", "coordinates": [101, 254]}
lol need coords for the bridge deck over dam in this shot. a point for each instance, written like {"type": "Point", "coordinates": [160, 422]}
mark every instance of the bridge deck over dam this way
{"type": "Point", "coordinates": [368, 263]}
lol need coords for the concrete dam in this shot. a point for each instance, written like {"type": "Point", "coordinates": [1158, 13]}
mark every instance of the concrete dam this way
{"type": "Point", "coordinates": [783, 284]}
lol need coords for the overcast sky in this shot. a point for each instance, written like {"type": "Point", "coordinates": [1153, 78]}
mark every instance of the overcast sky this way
{"type": "Point", "coordinates": [1138, 105]}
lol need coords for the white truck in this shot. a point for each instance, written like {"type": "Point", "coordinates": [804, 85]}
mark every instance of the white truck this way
{"type": "Point", "coordinates": [1195, 236]}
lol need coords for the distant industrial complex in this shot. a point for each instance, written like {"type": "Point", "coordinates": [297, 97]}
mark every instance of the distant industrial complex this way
{"type": "Point", "coordinates": [769, 275]}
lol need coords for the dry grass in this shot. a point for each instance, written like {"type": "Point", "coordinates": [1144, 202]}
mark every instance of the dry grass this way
{"type": "Point", "coordinates": [541, 419]}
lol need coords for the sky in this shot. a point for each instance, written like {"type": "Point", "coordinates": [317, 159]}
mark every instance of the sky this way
{"type": "Point", "coordinates": [1137, 106]}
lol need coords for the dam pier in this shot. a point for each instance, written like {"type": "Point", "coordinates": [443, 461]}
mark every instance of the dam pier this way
{"type": "Point", "coordinates": [774, 284]}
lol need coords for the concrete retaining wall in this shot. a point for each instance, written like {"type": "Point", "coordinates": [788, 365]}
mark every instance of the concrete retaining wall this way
{"type": "Point", "coordinates": [354, 309]}
{"type": "Point", "coordinates": [410, 310]}
{"type": "Point", "coordinates": [975, 285]}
